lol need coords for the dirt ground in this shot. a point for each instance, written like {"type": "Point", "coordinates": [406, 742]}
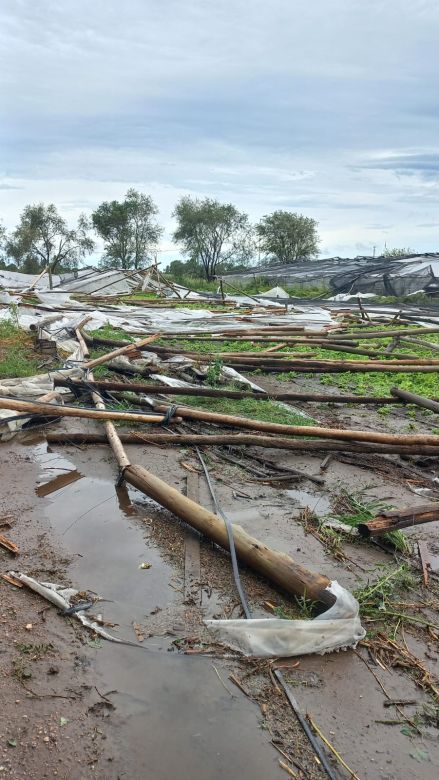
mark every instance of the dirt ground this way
{"type": "Point", "coordinates": [79, 706]}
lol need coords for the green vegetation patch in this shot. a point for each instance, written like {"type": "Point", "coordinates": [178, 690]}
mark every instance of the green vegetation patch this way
{"type": "Point", "coordinates": [208, 346]}
{"type": "Point", "coordinates": [108, 332]}
{"type": "Point", "coordinates": [17, 353]}
{"type": "Point", "coordinates": [254, 408]}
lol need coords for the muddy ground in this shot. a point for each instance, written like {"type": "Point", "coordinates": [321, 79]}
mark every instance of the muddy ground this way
{"type": "Point", "coordinates": [79, 706]}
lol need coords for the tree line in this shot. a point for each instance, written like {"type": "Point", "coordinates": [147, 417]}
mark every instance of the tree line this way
{"type": "Point", "coordinates": [213, 237]}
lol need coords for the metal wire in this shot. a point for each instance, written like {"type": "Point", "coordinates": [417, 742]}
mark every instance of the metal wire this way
{"type": "Point", "coordinates": [229, 529]}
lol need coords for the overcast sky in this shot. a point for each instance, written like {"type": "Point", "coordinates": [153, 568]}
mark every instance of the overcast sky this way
{"type": "Point", "coordinates": [326, 107]}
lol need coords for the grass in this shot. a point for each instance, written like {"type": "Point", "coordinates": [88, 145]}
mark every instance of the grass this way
{"type": "Point", "coordinates": [376, 383]}
{"type": "Point", "coordinates": [257, 409]}
{"type": "Point", "coordinates": [207, 346]}
{"type": "Point", "coordinates": [17, 354]}
{"type": "Point", "coordinates": [383, 599]}
{"type": "Point", "coordinates": [108, 332]}
{"type": "Point", "coordinates": [302, 609]}
{"type": "Point", "coordinates": [36, 651]}
{"type": "Point", "coordinates": [253, 287]}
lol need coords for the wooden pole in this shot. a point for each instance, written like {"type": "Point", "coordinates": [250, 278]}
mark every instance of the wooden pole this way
{"type": "Point", "coordinates": [190, 413]}
{"type": "Point", "coordinates": [399, 518]}
{"type": "Point", "coordinates": [40, 276]}
{"type": "Point", "coordinates": [412, 398]}
{"type": "Point", "coordinates": [275, 566]}
{"type": "Point", "coordinates": [211, 392]}
{"type": "Point", "coordinates": [49, 410]}
{"type": "Point", "coordinates": [136, 345]}
{"type": "Point", "coordinates": [384, 334]}
{"type": "Point", "coordinates": [243, 440]}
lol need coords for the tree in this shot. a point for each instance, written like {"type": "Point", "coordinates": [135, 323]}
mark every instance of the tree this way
{"type": "Point", "coordinates": [213, 235]}
{"type": "Point", "coordinates": [287, 237]}
{"type": "Point", "coordinates": [43, 239]}
{"type": "Point", "coordinates": [403, 252]}
{"type": "Point", "coordinates": [129, 230]}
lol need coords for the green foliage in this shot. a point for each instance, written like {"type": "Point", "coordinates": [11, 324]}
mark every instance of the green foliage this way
{"type": "Point", "coordinates": [214, 372]}
{"type": "Point", "coordinates": [36, 651]}
{"type": "Point", "coordinates": [395, 252]}
{"type": "Point", "coordinates": [287, 237]}
{"type": "Point", "coordinates": [209, 346]}
{"type": "Point", "coordinates": [214, 236]}
{"type": "Point", "coordinates": [17, 357]}
{"type": "Point", "coordinates": [108, 332]}
{"type": "Point", "coordinates": [254, 408]}
{"type": "Point", "coordinates": [381, 596]}
{"type": "Point", "coordinates": [43, 239]}
{"type": "Point", "coordinates": [255, 286]}
{"type": "Point", "coordinates": [129, 230]}
{"type": "Point", "coordinates": [302, 608]}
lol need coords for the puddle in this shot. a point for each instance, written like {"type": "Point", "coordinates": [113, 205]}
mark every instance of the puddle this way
{"type": "Point", "coordinates": [62, 480]}
{"type": "Point", "coordinates": [318, 504]}
{"type": "Point", "coordinates": [172, 716]}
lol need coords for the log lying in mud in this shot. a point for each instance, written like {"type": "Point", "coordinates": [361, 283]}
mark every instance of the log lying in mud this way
{"type": "Point", "coordinates": [242, 440]}
{"type": "Point", "coordinates": [190, 413]}
{"type": "Point", "coordinates": [220, 392]}
{"type": "Point", "coordinates": [50, 410]}
{"type": "Point", "coordinates": [399, 518]}
{"type": "Point", "coordinates": [275, 566]}
{"type": "Point", "coordinates": [412, 398]}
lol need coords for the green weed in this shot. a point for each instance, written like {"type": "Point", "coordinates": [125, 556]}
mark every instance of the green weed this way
{"type": "Point", "coordinates": [17, 356]}
{"type": "Point", "coordinates": [256, 408]}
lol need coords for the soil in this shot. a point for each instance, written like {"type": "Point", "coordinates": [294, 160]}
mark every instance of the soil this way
{"type": "Point", "coordinates": [79, 706]}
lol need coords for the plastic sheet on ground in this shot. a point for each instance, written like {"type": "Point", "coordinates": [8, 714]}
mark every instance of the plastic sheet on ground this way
{"type": "Point", "coordinates": [62, 598]}
{"type": "Point", "coordinates": [336, 629]}
{"type": "Point", "coordinates": [275, 292]}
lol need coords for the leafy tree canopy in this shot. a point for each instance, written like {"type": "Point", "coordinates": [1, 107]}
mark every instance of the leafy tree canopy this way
{"type": "Point", "coordinates": [287, 237]}
{"type": "Point", "coordinates": [42, 239]}
{"type": "Point", "coordinates": [128, 229]}
{"type": "Point", "coordinates": [213, 235]}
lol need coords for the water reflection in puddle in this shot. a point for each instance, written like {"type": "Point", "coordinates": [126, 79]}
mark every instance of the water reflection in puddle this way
{"type": "Point", "coordinates": [319, 504]}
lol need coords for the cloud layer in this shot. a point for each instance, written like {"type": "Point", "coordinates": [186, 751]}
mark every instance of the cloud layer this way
{"type": "Point", "coordinates": [327, 107]}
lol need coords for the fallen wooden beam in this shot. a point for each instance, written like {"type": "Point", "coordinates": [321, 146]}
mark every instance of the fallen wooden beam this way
{"type": "Point", "coordinates": [242, 440]}
{"type": "Point", "coordinates": [50, 410]}
{"type": "Point", "coordinates": [399, 518]}
{"type": "Point", "coordinates": [418, 400]}
{"type": "Point", "coordinates": [382, 334]}
{"type": "Point", "coordinates": [190, 413]}
{"type": "Point", "coordinates": [131, 347]}
{"type": "Point", "coordinates": [222, 392]}
{"type": "Point", "coordinates": [275, 566]}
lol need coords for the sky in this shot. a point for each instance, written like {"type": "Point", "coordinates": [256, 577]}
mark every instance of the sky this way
{"type": "Point", "coordinates": [325, 107]}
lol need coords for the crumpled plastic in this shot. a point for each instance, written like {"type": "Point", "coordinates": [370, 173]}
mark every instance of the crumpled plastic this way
{"type": "Point", "coordinates": [336, 629]}
{"type": "Point", "coordinates": [61, 597]}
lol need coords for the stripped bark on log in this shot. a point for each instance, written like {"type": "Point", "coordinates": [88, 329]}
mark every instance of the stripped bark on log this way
{"type": "Point", "coordinates": [399, 518]}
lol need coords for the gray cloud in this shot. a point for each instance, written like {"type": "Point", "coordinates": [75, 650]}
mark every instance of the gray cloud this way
{"type": "Point", "coordinates": [266, 106]}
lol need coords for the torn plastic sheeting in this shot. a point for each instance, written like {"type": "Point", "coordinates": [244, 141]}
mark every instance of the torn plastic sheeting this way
{"type": "Point", "coordinates": [336, 629]}
{"type": "Point", "coordinates": [62, 598]}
